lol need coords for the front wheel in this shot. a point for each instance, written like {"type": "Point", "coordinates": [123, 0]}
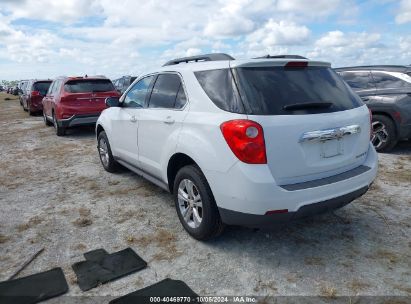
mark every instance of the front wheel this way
{"type": "Point", "coordinates": [194, 201]}
{"type": "Point", "coordinates": [384, 136]}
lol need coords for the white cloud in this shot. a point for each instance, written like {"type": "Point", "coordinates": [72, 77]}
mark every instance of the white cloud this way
{"type": "Point", "coordinates": [230, 20]}
{"type": "Point", "coordinates": [52, 10]}
{"type": "Point", "coordinates": [338, 39]}
{"type": "Point", "coordinates": [280, 33]}
{"type": "Point", "coordinates": [350, 48]}
{"type": "Point", "coordinates": [309, 8]}
{"type": "Point", "coordinates": [404, 14]}
{"type": "Point", "coordinates": [128, 37]}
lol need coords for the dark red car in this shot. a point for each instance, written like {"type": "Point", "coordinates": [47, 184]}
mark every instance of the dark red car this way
{"type": "Point", "coordinates": [75, 101]}
{"type": "Point", "coordinates": [32, 94]}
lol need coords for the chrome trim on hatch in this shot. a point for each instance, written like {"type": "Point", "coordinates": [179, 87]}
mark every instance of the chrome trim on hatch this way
{"type": "Point", "coordinates": [329, 134]}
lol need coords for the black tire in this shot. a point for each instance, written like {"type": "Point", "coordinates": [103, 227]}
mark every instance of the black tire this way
{"type": "Point", "coordinates": [24, 107]}
{"type": "Point", "coordinates": [111, 165]}
{"type": "Point", "coordinates": [60, 131]}
{"type": "Point", "coordinates": [385, 137]}
{"type": "Point", "coordinates": [46, 121]}
{"type": "Point", "coordinates": [211, 225]}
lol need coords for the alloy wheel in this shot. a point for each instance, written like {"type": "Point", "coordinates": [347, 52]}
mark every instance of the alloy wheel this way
{"type": "Point", "coordinates": [379, 134]}
{"type": "Point", "coordinates": [190, 203]}
{"type": "Point", "coordinates": [103, 151]}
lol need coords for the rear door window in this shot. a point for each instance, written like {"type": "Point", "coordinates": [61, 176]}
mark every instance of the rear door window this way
{"type": "Point", "coordinates": [167, 92]}
{"type": "Point", "coordinates": [42, 87]}
{"type": "Point", "coordinates": [90, 85]}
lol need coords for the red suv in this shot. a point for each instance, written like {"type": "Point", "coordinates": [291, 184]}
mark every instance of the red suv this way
{"type": "Point", "coordinates": [32, 94]}
{"type": "Point", "coordinates": [75, 101]}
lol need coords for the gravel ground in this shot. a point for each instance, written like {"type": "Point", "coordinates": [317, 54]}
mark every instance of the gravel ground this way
{"type": "Point", "coordinates": [55, 194]}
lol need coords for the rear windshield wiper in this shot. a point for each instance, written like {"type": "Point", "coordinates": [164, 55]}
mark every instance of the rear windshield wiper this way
{"type": "Point", "coordinates": [307, 105]}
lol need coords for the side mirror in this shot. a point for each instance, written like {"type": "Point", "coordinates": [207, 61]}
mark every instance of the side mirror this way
{"type": "Point", "coordinates": [112, 102]}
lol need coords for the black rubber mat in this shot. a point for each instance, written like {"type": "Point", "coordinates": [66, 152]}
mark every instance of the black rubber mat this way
{"type": "Point", "coordinates": [101, 267]}
{"type": "Point", "coordinates": [163, 291]}
{"type": "Point", "coordinates": [34, 288]}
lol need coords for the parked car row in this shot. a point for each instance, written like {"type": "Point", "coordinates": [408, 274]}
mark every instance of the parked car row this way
{"type": "Point", "coordinates": [9, 89]}
{"type": "Point", "coordinates": [66, 101]}
{"type": "Point", "coordinates": [253, 142]}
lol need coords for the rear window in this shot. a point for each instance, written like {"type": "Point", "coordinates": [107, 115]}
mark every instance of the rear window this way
{"type": "Point", "coordinates": [278, 91]}
{"type": "Point", "coordinates": [91, 85]}
{"type": "Point", "coordinates": [42, 87]}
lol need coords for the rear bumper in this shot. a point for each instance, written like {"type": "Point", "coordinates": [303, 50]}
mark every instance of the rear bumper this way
{"type": "Point", "coordinates": [231, 217]}
{"type": "Point", "coordinates": [252, 191]}
{"type": "Point", "coordinates": [79, 120]}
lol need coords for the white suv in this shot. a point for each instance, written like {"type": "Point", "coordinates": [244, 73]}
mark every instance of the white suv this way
{"type": "Point", "coordinates": [242, 142]}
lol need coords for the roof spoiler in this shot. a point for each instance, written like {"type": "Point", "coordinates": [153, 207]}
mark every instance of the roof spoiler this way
{"type": "Point", "coordinates": [205, 57]}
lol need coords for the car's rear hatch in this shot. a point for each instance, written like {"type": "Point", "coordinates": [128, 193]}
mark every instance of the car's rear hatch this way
{"type": "Point", "coordinates": [38, 91]}
{"type": "Point", "coordinates": [314, 125]}
{"type": "Point", "coordinates": [87, 95]}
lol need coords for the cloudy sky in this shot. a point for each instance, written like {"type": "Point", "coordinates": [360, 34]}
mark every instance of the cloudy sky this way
{"type": "Point", "coordinates": [48, 38]}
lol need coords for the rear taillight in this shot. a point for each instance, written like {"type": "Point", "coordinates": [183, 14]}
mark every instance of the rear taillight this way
{"type": "Point", "coordinates": [370, 123]}
{"type": "Point", "coordinates": [35, 93]}
{"type": "Point", "coordinates": [246, 139]}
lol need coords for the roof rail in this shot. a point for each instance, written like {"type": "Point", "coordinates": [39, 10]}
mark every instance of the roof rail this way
{"type": "Point", "coordinates": [281, 56]}
{"type": "Point", "coordinates": [205, 57]}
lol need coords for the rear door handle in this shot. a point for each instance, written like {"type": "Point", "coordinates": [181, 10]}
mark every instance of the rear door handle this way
{"type": "Point", "coordinates": [133, 118]}
{"type": "Point", "coordinates": [169, 120]}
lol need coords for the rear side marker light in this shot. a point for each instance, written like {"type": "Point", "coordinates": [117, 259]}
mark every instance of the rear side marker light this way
{"type": "Point", "coordinates": [246, 140]}
{"type": "Point", "coordinates": [276, 211]}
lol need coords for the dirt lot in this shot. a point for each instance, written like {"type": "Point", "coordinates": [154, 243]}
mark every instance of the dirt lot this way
{"type": "Point", "coordinates": [55, 194]}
